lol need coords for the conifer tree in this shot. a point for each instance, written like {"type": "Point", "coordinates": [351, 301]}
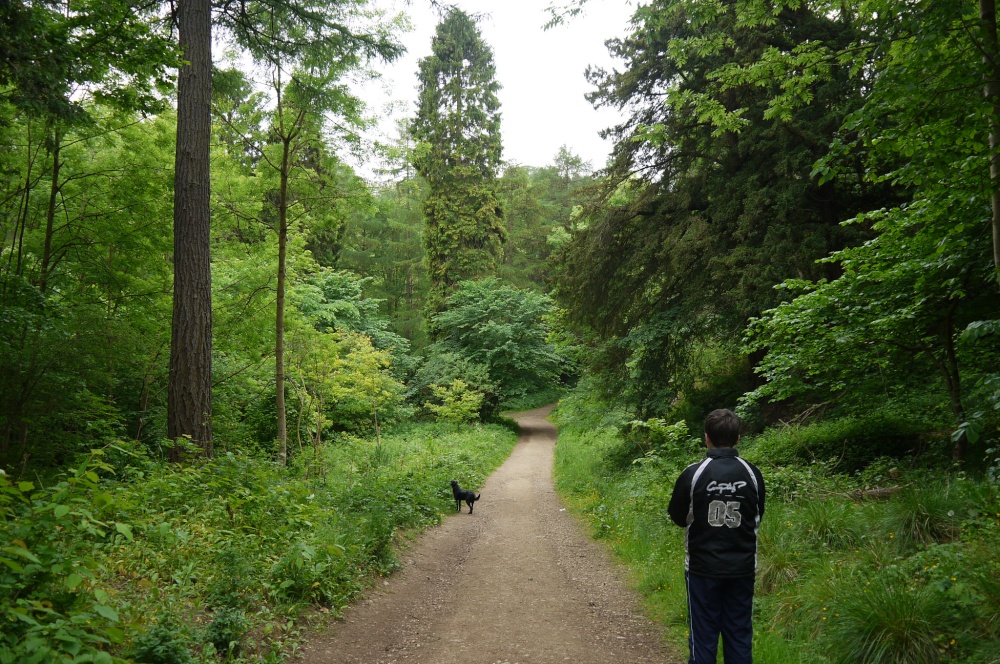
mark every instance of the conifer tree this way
{"type": "Point", "coordinates": [457, 130]}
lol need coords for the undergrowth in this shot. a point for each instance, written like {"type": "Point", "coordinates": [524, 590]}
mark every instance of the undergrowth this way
{"type": "Point", "coordinates": [534, 400]}
{"type": "Point", "coordinates": [889, 563]}
{"type": "Point", "coordinates": [219, 560]}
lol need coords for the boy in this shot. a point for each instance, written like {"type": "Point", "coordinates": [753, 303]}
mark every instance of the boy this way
{"type": "Point", "coordinates": [720, 501]}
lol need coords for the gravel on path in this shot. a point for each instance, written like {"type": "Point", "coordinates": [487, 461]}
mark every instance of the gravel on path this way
{"type": "Point", "coordinates": [518, 581]}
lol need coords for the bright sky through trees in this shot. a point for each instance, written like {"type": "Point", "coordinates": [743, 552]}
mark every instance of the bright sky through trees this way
{"type": "Point", "coordinates": [542, 74]}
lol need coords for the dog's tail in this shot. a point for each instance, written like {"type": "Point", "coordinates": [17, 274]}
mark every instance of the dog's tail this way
{"type": "Point", "coordinates": [477, 497]}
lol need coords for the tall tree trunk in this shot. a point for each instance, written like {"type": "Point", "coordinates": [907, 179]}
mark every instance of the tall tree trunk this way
{"type": "Point", "coordinates": [953, 380]}
{"type": "Point", "coordinates": [189, 396]}
{"type": "Point", "coordinates": [21, 221]}
{"type": "Point", "coordinates": [991, 88]}
{"type": "Point", "coordinates": [279, 325]}
{"type": "Point", "coordinates": [50, 215]}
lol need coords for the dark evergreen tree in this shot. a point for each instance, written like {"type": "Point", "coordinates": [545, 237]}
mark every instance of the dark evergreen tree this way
{"type": "Point", "coordinates": [699, 222]}
{"type": "Point", "coordinates": [457, 129]}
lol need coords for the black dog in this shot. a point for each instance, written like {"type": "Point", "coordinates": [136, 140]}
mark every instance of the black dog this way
{"type": "Point", "coordinates": [461, 494]}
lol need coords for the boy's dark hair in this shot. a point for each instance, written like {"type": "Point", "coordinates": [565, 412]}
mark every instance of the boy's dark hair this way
{"type": "Point", "coordinates": [723, 427]}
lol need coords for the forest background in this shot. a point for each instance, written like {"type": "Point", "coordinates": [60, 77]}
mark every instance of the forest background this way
{"type": "Point", "coordinates": [210, 380]}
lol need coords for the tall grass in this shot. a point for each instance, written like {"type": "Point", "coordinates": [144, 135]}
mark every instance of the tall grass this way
{"type": "Point", "coordinates": [887, 621]}
{"type": "Point", "coordinates": [925, 513]}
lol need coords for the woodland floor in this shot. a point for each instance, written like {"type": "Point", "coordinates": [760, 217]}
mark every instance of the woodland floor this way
{"type": "Point", "coordinates": [516, 582]}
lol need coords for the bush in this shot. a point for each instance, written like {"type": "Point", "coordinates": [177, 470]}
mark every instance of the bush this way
{"type": "Point", "coordinates": [226, 631]}
{"type": "Point", "coordinates": [458, 403]}
{"type": "Point", "coordinates": [503, 329]}
{"type": "Point", "coordinates": [161, 644]}
{"type": "Point", "coordinates": [52, 604]}
{"type": "Point", "coordinates": [655, 441]}
{"type": "Point", "coordinates": [850, 442]}
{"type": "Point", "coordinates": [443, 368]}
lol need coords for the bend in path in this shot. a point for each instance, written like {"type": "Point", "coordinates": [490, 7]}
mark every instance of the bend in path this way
{"type": "Point", "coordinates": [517, 581]}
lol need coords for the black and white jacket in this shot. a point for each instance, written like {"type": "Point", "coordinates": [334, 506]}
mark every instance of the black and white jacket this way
{"type": "Point", "coordinates": [720, 501]}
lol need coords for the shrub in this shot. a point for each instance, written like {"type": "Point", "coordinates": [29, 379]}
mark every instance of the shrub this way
{"type": "Point", "coordinates": [655, 441]}
{"type": "Point", "coordinates": [852, 442]}
{"type": "Point", "coordinates": [51, 605]}
{"type": "Point", "coordinates": [503, 329]}
{"type": "Point", "coordinates": [794, 481]}
{"type": "Point", "coordinates": [163, 643]}
{"type": "Point", "coordinates": [226, 631]}
{"type": "Point", "coordinates": [443, 368]}
{"type": "Point", "coordinates": [458, 403]}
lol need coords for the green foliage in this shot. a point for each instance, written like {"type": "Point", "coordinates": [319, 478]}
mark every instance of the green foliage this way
{"type": "Point", "coordinates": [161, 644]}
{"type": "Point", "coordinates": [539, 205]}
{"type": "Point", "coordinates": [502, 329]}
{"type": "Point", "coordinates": [443, 368]}
{"type": "Point", "coordinates": [458, 404]}
{"type": "Point", "coordinates": [894, 315]}
{"type": "Point", "coordinates": [717, 374]}
{"type": "Point", "coordinates": [316, 34]}
{"type": "Point", "coordinates": [76, 286]}
{"type": "Point", "coordinates": [336, 301]}
{"type": "Point", "coordinates": [53, 603]}
{"type": "Point", "coordinates": [709, 200]}
{"type": "Point", "coordinates": [386, 247]}
{"type": "Point", "coordinates": [114, 50]}
{"type": "Point", "coordinates": [655, 442]}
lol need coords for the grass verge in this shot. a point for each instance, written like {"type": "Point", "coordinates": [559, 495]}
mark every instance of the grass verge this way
{"type": "Point", "coordinates": [912, 577]}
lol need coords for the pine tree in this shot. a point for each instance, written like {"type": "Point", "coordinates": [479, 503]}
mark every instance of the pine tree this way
{"type": "Point", "coordinates": [189, 397]}
{"type": "Point", "coordinates": [457, 130]}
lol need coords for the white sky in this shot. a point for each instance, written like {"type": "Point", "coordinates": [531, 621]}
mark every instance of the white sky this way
{"type": "Point", "coordinates": [541, 73]}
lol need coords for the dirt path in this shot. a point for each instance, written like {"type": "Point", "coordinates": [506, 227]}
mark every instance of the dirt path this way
{"type": "Point", "coordinates": [516, 582]}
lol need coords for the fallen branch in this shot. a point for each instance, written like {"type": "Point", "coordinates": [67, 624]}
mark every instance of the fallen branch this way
{"type": "Point", "coordinates": [877, 493]}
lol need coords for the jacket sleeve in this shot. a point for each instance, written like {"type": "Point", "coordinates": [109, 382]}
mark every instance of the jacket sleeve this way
{"type": "Point", "coordinates": [680, 500]}
{"type": "Point", "coordinates": [761, 491]}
